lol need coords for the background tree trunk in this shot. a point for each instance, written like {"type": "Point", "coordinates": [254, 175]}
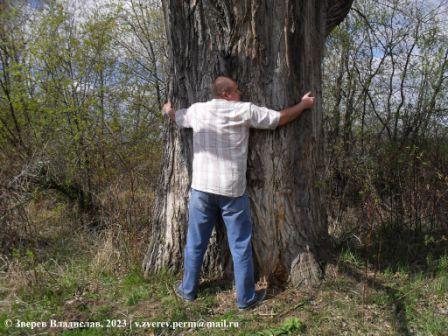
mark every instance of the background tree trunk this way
{"type": "Point", "coordinates": [274, 50]}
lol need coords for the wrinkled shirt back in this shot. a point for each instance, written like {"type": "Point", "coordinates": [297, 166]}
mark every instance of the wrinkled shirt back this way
{"type": "Point", "coordinates": [220, 142]}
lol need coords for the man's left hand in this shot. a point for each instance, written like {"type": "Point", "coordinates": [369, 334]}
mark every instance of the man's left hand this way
{"type": "Point", "coordinates": [168, 110]}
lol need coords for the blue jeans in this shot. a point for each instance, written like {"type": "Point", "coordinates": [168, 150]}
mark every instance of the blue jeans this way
{"type": "Point", "coordinates": [204, 209]}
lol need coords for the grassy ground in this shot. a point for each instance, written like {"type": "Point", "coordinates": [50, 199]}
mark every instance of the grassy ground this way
{"type": "Point", "coordinates": [67, 274]}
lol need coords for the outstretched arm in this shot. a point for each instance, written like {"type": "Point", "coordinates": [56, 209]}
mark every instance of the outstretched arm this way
{"type": "Point", "coordinates": [183, 117]}
{"type": "Point", "coordinates": [289, 114]}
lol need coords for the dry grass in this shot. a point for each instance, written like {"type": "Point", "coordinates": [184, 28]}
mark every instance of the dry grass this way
{"type": "Point", "coordinates": [72, 273]}
{"type": "Point", "coordinates": [108, 256]}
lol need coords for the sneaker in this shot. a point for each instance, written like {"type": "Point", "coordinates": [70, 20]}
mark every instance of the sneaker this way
{"type": "Point", "coordinates": [259, 297]}
{"type": "Point", "coordinates": [179, 293]}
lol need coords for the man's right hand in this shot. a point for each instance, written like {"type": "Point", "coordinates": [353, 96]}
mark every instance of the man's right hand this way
{"type": "Point", "coordinates": [308, 101]}
{"type": "Point", "coordinates": [289, 114]}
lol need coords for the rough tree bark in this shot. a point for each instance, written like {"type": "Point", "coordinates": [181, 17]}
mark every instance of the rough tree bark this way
{"type": "Point", "coordinates": [274, 50]}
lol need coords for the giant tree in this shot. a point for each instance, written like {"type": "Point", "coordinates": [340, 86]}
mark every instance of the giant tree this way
{"type": "Point", "coordinates": [274, 51]}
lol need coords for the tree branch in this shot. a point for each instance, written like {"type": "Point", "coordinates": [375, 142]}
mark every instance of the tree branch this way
{"type": "Point", "coordinates": [336, 11]}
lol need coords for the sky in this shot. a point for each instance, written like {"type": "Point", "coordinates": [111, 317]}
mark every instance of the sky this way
{"type": "Point", "coordinates": [85, 5]}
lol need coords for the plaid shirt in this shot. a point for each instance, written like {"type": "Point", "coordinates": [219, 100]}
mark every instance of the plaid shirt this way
{"type": "Point", "coordinates": [220, 142]}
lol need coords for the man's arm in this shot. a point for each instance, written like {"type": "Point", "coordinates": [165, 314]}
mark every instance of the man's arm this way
{"type": "Point", "coordinates": [289, 114]}
{"type": "Point", "coordinates": [183, 117]}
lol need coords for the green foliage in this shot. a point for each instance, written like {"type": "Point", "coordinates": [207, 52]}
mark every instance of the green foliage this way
{"type": "Point", "coordinates": [384, 91]}
{"type": "Point", "coordinates": [292, 326]}
{"type": "Point", "coordinates": [71, 106]}
{"type": "Point", "coordinates": [135, 287]}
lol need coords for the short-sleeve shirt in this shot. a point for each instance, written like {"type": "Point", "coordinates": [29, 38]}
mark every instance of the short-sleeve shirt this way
{"type": "Point", "coordinates": [220, 142]}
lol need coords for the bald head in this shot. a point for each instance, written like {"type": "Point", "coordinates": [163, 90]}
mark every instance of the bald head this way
{"type": "Point", "coordinates": [223, 85]}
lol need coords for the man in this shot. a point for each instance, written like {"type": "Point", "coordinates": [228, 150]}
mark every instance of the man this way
{"type": "Point", "coordinates": [220, 145]}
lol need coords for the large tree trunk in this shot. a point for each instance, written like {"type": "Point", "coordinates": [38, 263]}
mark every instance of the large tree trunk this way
{"type": "Point", "coordinates": [274, 50]}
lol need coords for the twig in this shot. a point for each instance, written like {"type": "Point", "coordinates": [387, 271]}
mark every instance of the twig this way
{"type": "Point", "coordinates": [267, 314]}
{"type": "Point", "coordinates": [173, 292]}
{"type": "Point", "coordinates": [300, 304]}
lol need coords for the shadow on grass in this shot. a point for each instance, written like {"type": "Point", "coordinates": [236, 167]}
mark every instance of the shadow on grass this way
{"type": "Point", "coordinates": [394, 249]}
{"type": "Point", "coordinates": [391, 249]}
{"type": "Point", "coordinates": [215, 286]}
{"type": "Point", "coordinates": [395, 302]}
